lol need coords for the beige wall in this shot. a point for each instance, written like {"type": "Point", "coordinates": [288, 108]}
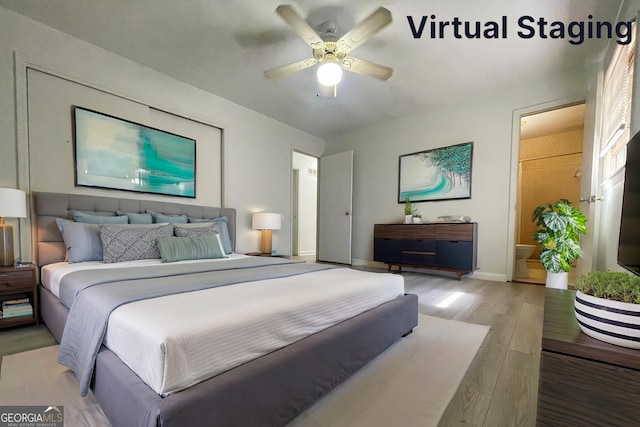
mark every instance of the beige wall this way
{"type": "Point", "coordinates": [256, 149]}
{"type": "Point", "coordinates": [550, 169]}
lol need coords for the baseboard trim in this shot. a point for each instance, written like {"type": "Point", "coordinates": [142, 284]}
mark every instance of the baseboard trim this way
{"type": "Point", "coordinates": [306, 253]}
{"type": "Point", "coordinates": [488, 276]}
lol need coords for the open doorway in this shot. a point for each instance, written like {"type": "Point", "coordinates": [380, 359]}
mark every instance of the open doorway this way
{"type": "Point", "coordinates": [549, 169]}
{"type": "Point", "coordinates": [304, 201]}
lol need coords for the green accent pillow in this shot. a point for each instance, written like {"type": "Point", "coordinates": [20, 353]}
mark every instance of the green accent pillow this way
{"type": "Point", "coordinates": [174, 249]}
{"type": "Point", "coordinates": [137, 218]}
{"type": "Point", "coordinates": [98, 219]}
{"type": "Point", "coordinates": [162, 218]}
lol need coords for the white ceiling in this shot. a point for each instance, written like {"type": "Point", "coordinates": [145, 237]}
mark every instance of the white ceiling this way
{"type": "Point", "coordinates": [223, 47]}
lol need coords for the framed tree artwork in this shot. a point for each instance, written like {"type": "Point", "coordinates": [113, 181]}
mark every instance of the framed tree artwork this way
{"type": "Point", "coordinates": [437, 174]}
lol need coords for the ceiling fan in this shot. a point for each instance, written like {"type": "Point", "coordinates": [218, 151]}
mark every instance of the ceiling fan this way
{"type": "Point", "coordinates": [332, 52]}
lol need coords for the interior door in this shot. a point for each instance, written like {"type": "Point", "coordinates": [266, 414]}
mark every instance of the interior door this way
{"type": "Point", "coordinates": [334, 208]}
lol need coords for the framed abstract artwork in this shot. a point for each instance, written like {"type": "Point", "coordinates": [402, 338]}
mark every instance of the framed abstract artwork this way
{"type": "Point", "coordinates": [438, 174]}
{"type": "Point", "coordinates": [115, 153]}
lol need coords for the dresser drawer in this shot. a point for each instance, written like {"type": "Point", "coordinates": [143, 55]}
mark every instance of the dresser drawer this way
{"type": "Point", "coordinates": [387, 250]}
{"type": "Point", "coordinates": [16, 280]}
{"type": "Point", "coordinates": [404, 231]}
{"type": "Point", "coordinates": [455, 254]}
{"type": "Point", "coordinates": [416, 251]}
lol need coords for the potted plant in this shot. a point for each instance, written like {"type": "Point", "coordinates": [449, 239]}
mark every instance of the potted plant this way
{"type": "Point", "coordinates": [417, 218]}
{"type": "Point", "coordinates": [560, 225]}
{"type": "Point", "coordinates": [408, 210]}
{"type": "Point", "coordinates": [607, 307]}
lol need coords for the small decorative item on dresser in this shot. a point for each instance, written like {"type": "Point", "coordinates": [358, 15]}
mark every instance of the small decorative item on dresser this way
{"type": "Point", "coordinates": [417, 218]}
{"type": "Point", "coordinates": [408, 211]}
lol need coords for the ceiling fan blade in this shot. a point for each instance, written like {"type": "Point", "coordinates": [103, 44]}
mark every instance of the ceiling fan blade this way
{"type": "Point", "coordinates": [364, 30]}
{"type": "Point", "coordinates": [274, 73]}
{"type": "Point", "coordinates": [361, 66]}
{"type": "Point", "coordinates": [300, 26]}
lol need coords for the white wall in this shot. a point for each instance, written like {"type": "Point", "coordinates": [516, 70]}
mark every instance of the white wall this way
{"type": "Point", "coordinates": [307, 203]}
{"type": "Point", "coordinates": [487, 121]}
{"type": "Point", "coordinates": [256, 149]}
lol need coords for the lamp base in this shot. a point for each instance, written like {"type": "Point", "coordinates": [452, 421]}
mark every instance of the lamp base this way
{"type": "Point", "coordinates": [265, 242]}
{"type": "Point", "coordinates": [6, 245]}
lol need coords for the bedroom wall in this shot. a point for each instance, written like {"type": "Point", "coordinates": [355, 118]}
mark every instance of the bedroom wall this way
{"type": "Point", "coordinates": [50, 103]}
{"type": "Point", "coordinates": [256, 149]}
{"type": "Point", "coordinates": [487, 121]}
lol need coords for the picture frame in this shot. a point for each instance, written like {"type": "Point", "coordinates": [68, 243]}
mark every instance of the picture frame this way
{"type": "Point", "coordinates": [115, 153]}
{"type": "Point", "coordinates": [436, 174]}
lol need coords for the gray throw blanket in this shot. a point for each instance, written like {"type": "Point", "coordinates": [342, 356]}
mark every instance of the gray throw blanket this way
{"type": "Point", "coordinates": [92, 295]}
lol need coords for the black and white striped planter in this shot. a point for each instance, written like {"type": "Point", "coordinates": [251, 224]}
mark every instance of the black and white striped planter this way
{"type": "Point", "coordinates": [610, 321]}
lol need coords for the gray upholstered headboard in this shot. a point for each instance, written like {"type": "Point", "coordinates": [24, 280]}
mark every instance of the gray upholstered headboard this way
{"type": "Point", "coordinates": [49, 206]}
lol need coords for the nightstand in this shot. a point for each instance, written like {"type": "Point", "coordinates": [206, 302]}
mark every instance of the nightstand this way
{"type": "Point", "coordinates": [16, 282]}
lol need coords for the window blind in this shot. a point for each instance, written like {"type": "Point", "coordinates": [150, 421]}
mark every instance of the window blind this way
{"type": "Point", "coordinates": [617, 97]}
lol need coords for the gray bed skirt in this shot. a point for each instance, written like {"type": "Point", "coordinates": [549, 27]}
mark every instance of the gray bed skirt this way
{"type": "Point", "coordinates": [268, 391]}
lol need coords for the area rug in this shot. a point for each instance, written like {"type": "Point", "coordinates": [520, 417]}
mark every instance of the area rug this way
{"type": "Point", "coordinates": [410, 384]}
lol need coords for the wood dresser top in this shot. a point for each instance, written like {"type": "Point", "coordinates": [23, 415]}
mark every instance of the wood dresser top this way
{"type": "Point", "coordinates": [562, 334]}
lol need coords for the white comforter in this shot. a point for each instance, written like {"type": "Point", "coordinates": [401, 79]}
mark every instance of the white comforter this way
{"type": "Point", "coordinates": [176, 341]}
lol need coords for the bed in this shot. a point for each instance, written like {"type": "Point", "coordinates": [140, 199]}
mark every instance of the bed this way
{"type": "Point", "coordinates": [267, 388]}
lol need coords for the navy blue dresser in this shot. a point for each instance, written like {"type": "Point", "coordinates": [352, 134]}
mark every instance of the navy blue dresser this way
{"type": "Point", "coordinates": [440, 246]}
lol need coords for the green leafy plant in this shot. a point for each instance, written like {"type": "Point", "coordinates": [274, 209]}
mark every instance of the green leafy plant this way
{"type": "Point", "coordinates": [560, 225]}
{"type": "Point", "coordinates": [611, 285]}
{"type": "Point", "coordinates": [417, 215]}
{"type": "Point", "coordinates": [408, 207]}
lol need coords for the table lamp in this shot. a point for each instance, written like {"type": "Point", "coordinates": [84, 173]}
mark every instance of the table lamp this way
{"type": "Point", "coordinates": [13, 204]}
{"type": "Point", "coordinates": [266, 222]}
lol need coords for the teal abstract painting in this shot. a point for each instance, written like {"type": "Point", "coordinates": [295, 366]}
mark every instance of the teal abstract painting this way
{"type": "Point", "coordinates": [437, 174]}
{"type": "Point", "coordinates": [115, 153]}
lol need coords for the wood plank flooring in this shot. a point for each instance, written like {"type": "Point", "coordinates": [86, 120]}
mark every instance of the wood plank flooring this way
{"type": "Point", "coordinates": [501, 386]}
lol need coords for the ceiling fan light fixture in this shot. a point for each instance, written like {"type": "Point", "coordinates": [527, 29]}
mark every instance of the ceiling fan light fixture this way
{"type": "Point", "coordinates": [329, 74]}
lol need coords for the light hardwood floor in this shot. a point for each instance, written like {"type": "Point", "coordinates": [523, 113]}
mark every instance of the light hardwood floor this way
{"type": "Point", "coordinates": [501, 386]}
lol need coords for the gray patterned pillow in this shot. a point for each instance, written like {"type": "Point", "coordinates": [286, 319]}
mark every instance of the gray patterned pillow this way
{"type": "Point", "coordinates": [130, 243]}
{"type": "Point", "coordinates": [216, 225]}
{"type": "Point", "coordinates": [196, 230]}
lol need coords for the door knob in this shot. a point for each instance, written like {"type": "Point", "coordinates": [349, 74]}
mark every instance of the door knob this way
{"type": "Point", "coordinates": [347, 213]}
{"type": "Point", "coordinates": [591, 199]}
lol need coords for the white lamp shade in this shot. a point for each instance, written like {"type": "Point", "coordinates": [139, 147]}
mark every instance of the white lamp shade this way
{"type": "Point", "coordinates": [329, 74]}
{"type": "Point", "coordinates": [13, 203]}
{"type": "Point", "coordinates": [266, 221]}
